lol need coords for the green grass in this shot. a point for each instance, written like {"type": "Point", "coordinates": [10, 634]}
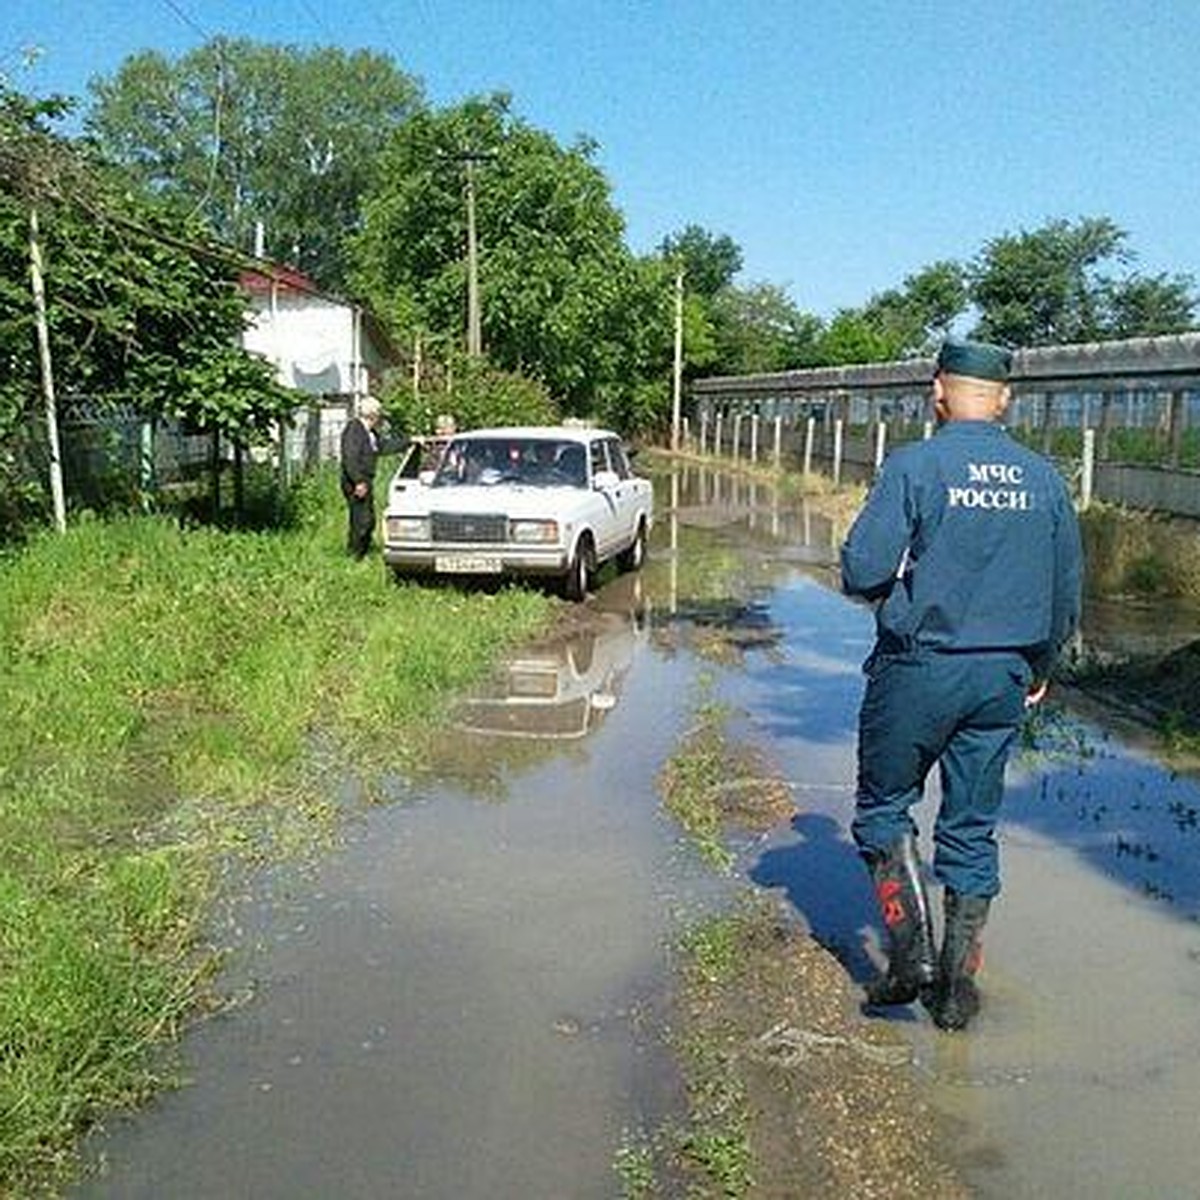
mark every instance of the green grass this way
{"type": "Point", "coordinates": [714, 1143]}
{"type": "Point", "coordinates": [164, 693]}
{"type": "Point", "coordinates": [691, 784]}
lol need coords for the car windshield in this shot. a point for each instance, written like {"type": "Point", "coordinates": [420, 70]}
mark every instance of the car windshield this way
{"type": "Point", "coordinates": [539, 462]}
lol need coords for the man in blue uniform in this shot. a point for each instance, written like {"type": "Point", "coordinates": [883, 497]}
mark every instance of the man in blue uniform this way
{"type": "Point", "coordinates": [969, 546]}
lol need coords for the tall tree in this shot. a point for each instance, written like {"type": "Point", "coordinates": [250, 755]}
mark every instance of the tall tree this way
{"type": "Point", "coordinates": [901, 322]}
{"type": "Point", "coordinates": [1044, 287]}
{"type": "Point", "coordinates": [710, 261]}
{"type": "Point", "coordinates": [242, 133]}
{"type": "Point", "coordinates": [142, 307]}
{"type": "Point", "coordinates": [1145, 306]}
{"type": "Point", "coordinates": [759, 329]}
{"type": "Point", "coordinates": [562, 297]}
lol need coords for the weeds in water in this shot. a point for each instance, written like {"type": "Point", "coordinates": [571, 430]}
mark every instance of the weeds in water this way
{"type": "Point", "coordinates": [712, 785]}
{"type": "Point", "coordinates": [165, 690]}
{"type": "Point", "coordinates": [691, 784]}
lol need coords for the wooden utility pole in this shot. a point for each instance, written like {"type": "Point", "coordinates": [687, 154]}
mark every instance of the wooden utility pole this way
{"type": "Point", "coordinates": [677, 373]}
{"type": "Point", "coordinates": [474, 318]}
{"type": "Point", "coordinates": [469, 159]}
{"type": "Point", "coordinates": [43, 336]}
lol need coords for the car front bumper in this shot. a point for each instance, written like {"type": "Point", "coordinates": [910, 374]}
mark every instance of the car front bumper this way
{"type": "Point", "coordinates": [481, 559]}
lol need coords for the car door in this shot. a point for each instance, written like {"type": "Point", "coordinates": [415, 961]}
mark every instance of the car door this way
{"type": "Point", "coordinates": [606, 489]}
{"type": "Point", "coordinates": [626, 493]}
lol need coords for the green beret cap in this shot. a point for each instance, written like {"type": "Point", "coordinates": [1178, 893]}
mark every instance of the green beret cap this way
{"type": "Point", "coordinates": [980, 360]}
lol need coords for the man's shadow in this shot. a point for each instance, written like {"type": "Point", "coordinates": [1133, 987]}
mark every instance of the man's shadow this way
{"type": "Point", "coordinates": [827, 884]}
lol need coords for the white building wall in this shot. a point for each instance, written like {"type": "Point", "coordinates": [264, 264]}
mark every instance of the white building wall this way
{"type": "Point", "coordinates": [308, 338]}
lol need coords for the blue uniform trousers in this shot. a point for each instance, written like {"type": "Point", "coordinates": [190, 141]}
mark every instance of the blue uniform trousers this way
{"type": "Point", "coordinates": [960, 710]}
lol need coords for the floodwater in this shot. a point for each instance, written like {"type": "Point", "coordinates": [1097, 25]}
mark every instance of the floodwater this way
{"type": "Point", "coordinates": [464, 999]}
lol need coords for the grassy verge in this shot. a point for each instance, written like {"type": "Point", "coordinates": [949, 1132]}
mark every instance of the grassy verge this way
{"type": "Point", "coordinates": [711, 785]}
{"type": "Point", "coordinates": [164, 694]}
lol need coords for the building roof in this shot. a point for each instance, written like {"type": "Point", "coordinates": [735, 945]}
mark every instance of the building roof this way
{"type": "Point", "coordinates": [259, 282]}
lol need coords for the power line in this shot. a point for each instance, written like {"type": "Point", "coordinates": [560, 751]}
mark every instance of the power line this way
{"type": "Point", "coordinates": [383, 23]}
{"type": "Point", "coordinates": [192, 25]}
{"type": "Point", "coordinates": [217, 44]}
{"type": "Point", "coordinates": [316, 18]}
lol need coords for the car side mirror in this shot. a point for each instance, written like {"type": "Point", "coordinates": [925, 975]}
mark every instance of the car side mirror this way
{"type": "Point", "coordinates": [603, 480]}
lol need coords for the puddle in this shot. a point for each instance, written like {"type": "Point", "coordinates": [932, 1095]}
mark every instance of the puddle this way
{"type": "Point", "coordinates": [463, 1001]}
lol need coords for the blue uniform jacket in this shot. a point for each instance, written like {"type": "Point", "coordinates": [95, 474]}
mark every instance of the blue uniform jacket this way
{"type": "Point", "coordinates": [968, 541]}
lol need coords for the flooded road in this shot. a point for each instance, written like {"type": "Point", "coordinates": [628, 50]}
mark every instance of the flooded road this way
{"type": "Point", "coordinates": [463, 1001]}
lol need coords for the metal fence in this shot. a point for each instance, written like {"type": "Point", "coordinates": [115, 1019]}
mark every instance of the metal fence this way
{"type": "Point", "coordinates": [116, 456]}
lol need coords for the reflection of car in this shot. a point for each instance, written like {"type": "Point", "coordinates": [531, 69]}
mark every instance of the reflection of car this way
{"type": "Point", "coordinates": [554, 692]}
{"type": "Point", "coordinates": [551, 502]}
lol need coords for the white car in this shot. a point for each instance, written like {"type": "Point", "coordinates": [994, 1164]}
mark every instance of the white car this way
{"type": "Point", "coordinates": [545, 502]}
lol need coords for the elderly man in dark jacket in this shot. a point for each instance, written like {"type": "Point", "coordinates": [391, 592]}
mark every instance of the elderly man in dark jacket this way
{"type": "Point", "coordinates": [360, 449]}
{"type": "Point", "coordinates": [969, 546]}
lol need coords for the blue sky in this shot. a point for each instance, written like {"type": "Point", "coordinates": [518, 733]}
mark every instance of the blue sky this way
{"type": "Point", "coordinates": [842, 146]}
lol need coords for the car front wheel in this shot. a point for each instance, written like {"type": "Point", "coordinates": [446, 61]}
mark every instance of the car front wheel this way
{"type": "Point", "coordinates": [575, 582]}
{"type": "Point", "coordinates": [632, 557]}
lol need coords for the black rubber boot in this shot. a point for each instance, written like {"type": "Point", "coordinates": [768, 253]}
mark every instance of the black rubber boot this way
{"type": "Point", "coordinates": [955, 998]}
{"type": "Point", "coordinates": [904, 906]}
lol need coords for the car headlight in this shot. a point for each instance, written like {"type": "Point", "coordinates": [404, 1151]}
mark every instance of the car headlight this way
{"type": "Point", "coordinates": [408, 529]}
{"type": "Point", "coordinates": [529, 531]}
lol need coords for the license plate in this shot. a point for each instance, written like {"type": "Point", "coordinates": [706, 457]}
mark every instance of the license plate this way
{"type": "Point", "coordinates": [467, 564]}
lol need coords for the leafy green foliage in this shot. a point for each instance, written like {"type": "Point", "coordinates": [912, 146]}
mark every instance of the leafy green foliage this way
{"type": "Point", "coordinates": [143, 310]}
{"type": "Point", "coordinates": [478, 395]}
{"type": "Point", "coordinates": [1038, 288]}
{"type": "Point", "coordinates": [900, 322]}
{"type": "Point", "coordinates": [562, 298]}
{"type": "Point", "coordinates": [759, 329]}
{"type": "Point", "coordinates": [1047, 287]}
{"type": "Point", "coordinates": [1146, 306]}
{"type": "Point", "coordinates": [244, 132]}
{"type": "Point", "coordinates": [710, 261]}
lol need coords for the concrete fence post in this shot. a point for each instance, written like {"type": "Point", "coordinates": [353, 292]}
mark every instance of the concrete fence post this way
{"type": "Point", "coordinates": [810, 433]}
{"type": "Point", "coordinates": [1088, 474]}
{"type": "Point", "coordinates": [838, 430]}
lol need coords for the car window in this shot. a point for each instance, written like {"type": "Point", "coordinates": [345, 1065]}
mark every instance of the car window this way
{"type": "Point", "coordinates": [618, 459]}
{"type": "Point", "coordinates": [410, 462]}
{"type": "Point", "coordinates": [599, 458]}
{"type": "Point", "coordinates": [534, 462]}
{"type": "Point", "coordinates": [572, 464]}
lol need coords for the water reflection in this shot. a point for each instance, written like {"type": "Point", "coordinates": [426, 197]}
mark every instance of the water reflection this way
{"type": "Point", "coordinates": [703, 497]}
{"type": "Point", "coordinates": [1124, 815]}
{"type": "Point", "coordinates": [557, 690]}
{"type": "Point", "coordinates": [544, 701]}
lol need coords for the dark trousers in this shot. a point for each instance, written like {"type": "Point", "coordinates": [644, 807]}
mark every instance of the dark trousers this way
{"type": "Point", "coordinates": [361, 523]}
{"type": "Point", "coordinates": [962, 712]}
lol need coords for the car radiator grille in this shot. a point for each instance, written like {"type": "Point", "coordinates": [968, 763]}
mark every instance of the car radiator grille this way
{"type": "Point", "coordinates": [469, 527]}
